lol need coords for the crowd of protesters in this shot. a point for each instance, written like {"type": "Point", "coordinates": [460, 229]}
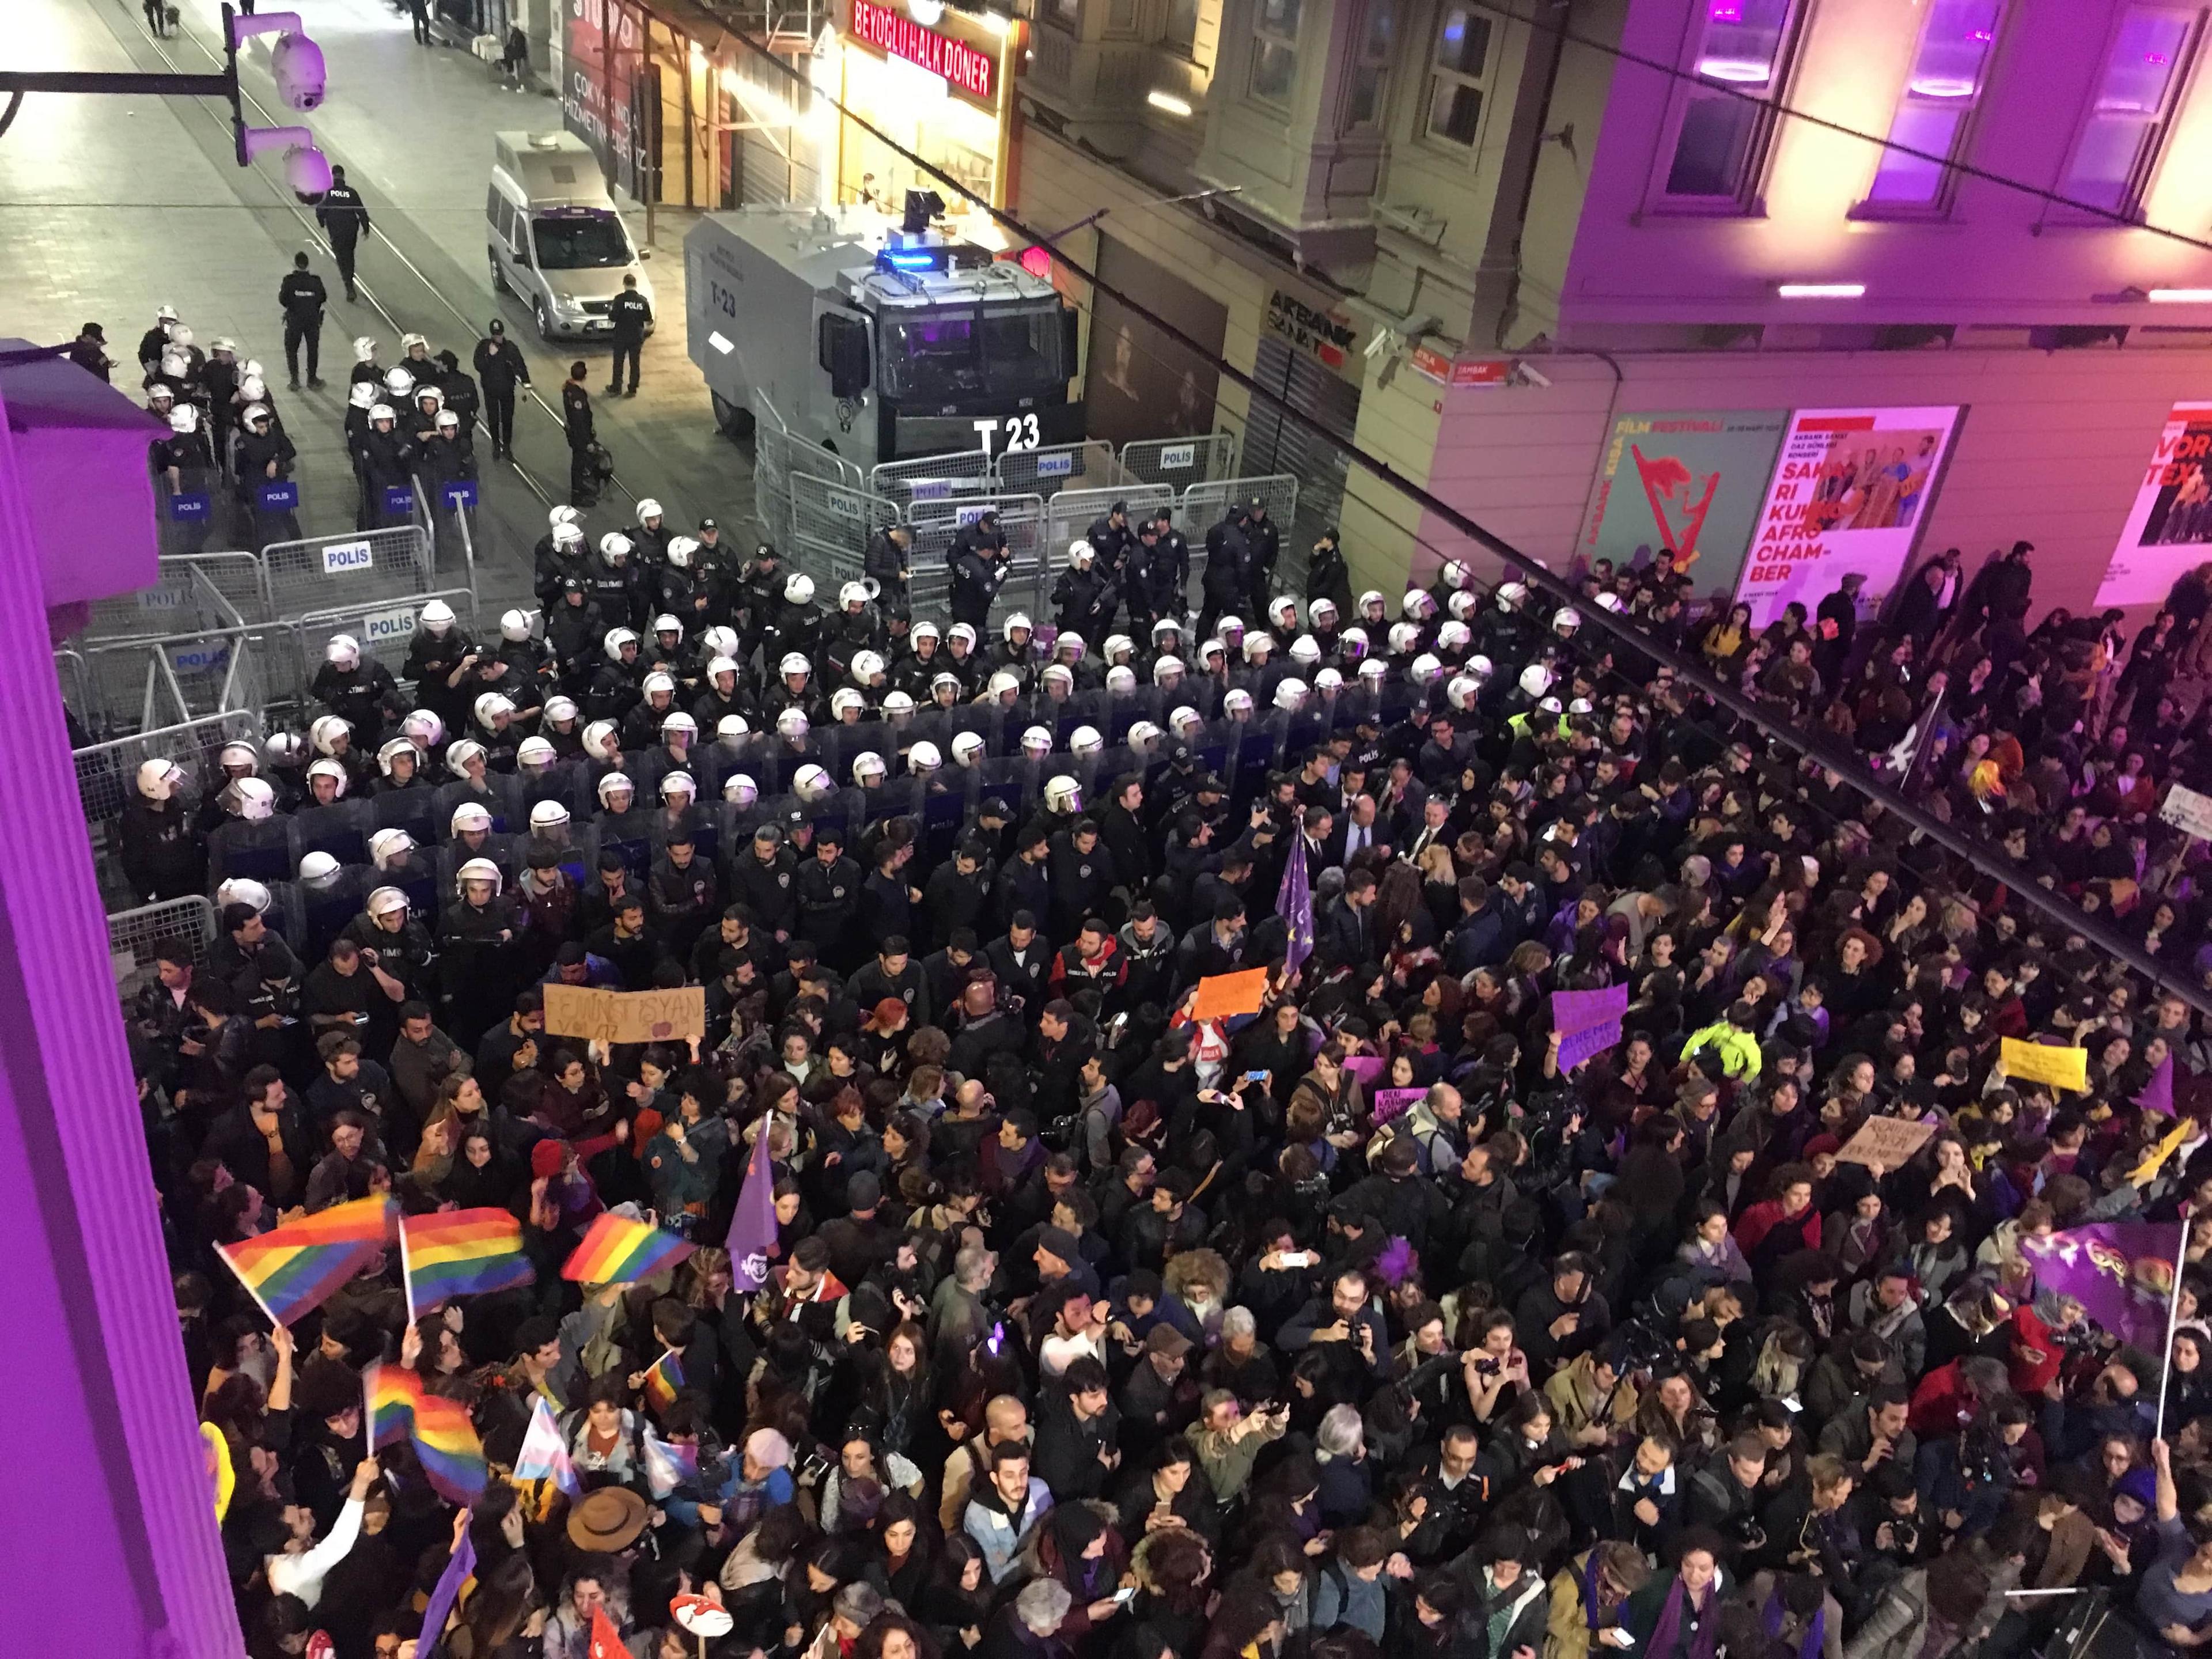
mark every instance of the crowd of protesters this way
{"type": "Point", "coordinates": [1096, 1331]}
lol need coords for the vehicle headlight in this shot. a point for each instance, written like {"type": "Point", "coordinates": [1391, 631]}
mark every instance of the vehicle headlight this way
{"type": "Point", "coordinates": [566, 302]}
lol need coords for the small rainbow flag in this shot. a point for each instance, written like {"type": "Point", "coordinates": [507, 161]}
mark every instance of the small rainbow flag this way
{"type": "Point", "coordinates": [662, 1379]}
{"type": "Point", "coordinates": [295, 1269]}
{"type": "Point", "coordinates": [400, 1408]}
{"type": "Point", "coordinates": [619, 1251]}
{"type": "Point", "coordinates": [460, 1253]}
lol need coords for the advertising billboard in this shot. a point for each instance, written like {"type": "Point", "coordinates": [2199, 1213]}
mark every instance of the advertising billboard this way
{"type": "Point", "coordinates": [1850, 490]}
{"type": "Point", "coordinates": [1688, 482]}
{"type": "Point", "coordinates": [610, 96]}
{"type": "Point", "coordinates": [2169, 528]}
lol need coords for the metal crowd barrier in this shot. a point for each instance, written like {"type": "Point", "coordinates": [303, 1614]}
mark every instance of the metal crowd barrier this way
{"type": "Point", "coordinates": [1181, 462]}
{"type": "Point", "coordinates": [361, 567]}
{"type": "Point", "coordinates": [188, 594]}
{"type": "Point", "coordinates": [384, 632]}
{"type": "Point", "coordinates": [135, 937]}
{"type": "Point", "coordinates": [935, 524]}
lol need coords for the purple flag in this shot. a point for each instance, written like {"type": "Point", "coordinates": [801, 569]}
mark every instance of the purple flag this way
{"type": "Point", "coordinates": [2120, 1271]}
{"type": "Point", "coordinates": [752, 1229]}
{"type": "Point", "coordinates": [449, 1591]}
{"type": "Point", "coordinates": [1577, 1011]}
{"type": "Point", "coordinates": [1576, 1046]}
{"type": "Point", "coordinates": [2158, 1093]}
{"type": "Point", "coordinates": [1365, 1068]}
{"type": "Point", "coordinates": [1294, 902]}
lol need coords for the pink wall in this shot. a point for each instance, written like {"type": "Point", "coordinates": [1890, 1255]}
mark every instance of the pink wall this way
{"type": "Point", "coordinates": [1985, 264]}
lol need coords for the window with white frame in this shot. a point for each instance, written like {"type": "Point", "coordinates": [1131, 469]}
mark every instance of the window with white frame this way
{"type": "Point", "coordinates": [2127, 124]}
{"type": "Point", "coordinates": [1930, 128]}
{"type": "Point", "coordinates": [1370, 69]}
{"type": "Point", "coordinates": [1721, 130]}
{"type": "Point", "coordinates": [1458, 74]}
{"type": "Point", "coordinates": [1182, 27]}
{"type": "Point", "coordinates": [1274, 49]}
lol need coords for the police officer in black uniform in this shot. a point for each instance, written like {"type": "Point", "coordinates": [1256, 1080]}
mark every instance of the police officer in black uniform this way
{"type": "Point", "coordinates": [499, 370]}
{"type": "Point", "coordinates": [344, 219]}
{"type": "Point", "coordinates": [301, 294]}
{"type": "Point", "coordinates": [631, 313]}
{"type": "Point", "coordinates": [980, 563]}
{"type": "Point", "coordinates": [576, 417]}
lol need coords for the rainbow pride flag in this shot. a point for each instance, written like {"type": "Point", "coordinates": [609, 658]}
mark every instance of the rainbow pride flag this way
{"type": "Point", "coordinates": [460, 1253]}
{"type": "Point", "coordinates": [297, 1267]}
{"type": "Point", "coordinates": [401, 1408]}
{"type": "Point", "coordinates": [620, 1251]}
{"type": "Point", "coordinates": [393, 1393]}
{"type": "Point", "coordinates": [662, 1379]}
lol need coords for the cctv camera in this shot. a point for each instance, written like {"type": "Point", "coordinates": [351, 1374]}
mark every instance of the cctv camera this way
{"type": "Point", "coordinates": [1529, 375]}
{"type": "Point", "coordinates": [296, 63]}
{"type": "Point", "coordinates": [307, 170]}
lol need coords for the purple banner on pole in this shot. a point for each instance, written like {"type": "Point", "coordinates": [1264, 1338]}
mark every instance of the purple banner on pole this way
{"type": "Point", "coordinates": [1576, 1046]}
{"type": "Point", "coordinates": [1294, 900]}
{"type": "Point", "coordinates": [1579, 1011]}
{"type": "Point", "coordinates": [440, 1608]}
{"type": "Point", "coordinates": [752, 1229]}
{"type": "Point", "coordinates": [2120, 1271]}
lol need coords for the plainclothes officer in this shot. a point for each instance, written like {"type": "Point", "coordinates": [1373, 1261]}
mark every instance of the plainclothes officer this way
{"type": "Point", "coordinates": [88, 351]}
{"type": "Point", "coordinates": [631, 312]}
{"type": "Point", "coordinates": [344, 219]}
{"type": "Point", "coordinates": [302, 298]}
{"type": "Point", "coordinates": [576, 416]}
{"type": "Point", "coordinates": [499, 370]}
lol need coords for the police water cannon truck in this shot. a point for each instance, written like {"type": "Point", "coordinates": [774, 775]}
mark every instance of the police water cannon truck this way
{"type": "Point", "coordinates": [877, 341]}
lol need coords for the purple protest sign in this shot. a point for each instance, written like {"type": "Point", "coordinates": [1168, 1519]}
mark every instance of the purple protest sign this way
{"type": "Point", "coordinates": [2120, 1271]}
{"type": "Point", "coordinates": [1579, 1011]}
{"type": "Point", "coordinates": [1365, 1068]}
{"type": "Point", "coordinates": [1576, 1046]}
{"type": "Point", "coordinates": [1387, 1104]}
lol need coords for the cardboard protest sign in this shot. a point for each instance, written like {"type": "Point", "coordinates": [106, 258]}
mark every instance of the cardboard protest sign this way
{"type": "Point", "coordinates": [1227, 994]}
{"type": "Point", "coordinates": [617, 1017]}
{"type": "Point", "coordinates": [1387, 1104]}
{"type": "Point", "coordinates": [2040, 1062]}
{"type": "Point", "coordinates": [1888, 1141]}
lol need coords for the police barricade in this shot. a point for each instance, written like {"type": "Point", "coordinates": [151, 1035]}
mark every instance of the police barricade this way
{"type": "Point", "coordinates": [107, 773]}
{"type": "Point", "coordinates": [1203, 506]}
{"type": "Point", "coordinates": [779, 456]}
{"type": "Point", "coordinates": [185, 597]}
{"type": "Point", "coordinates": [384, 632]}
{"type": "Point", "coordinates": [241, 578]}
{"type": "Point", "coordinates": [1071, 513]}
{"type": "Point", "coordinates": [135, 937]}
{"type": "Point", "coordinates": [360, 568]}
{"type": "Point", "coordinates": [937, 522]}
{"type": "Point", "coordinates": [963, 472]}
{"type": "Point", "coordinates": [1181, 462]}
{"type": "Point", "coordinates": [1088, 465]}
{"type": "Point", "coordinates": [831, 523]}
{"type": "Point", "coordinates": [141, 685]}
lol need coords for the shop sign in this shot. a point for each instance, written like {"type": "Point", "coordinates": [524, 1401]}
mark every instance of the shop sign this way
{"type": "Point", "coordinates": [1476, 371]}
{"type": "Point", "coordinates": [960, 64]}
{"type": "Point", "coordinates": [1323, 334]}
{"type": "Point", "coordinates": [2169, 529]}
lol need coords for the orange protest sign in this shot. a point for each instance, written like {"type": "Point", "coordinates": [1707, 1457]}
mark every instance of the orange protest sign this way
{"type": "Point", "coordinates": [1230, 993]}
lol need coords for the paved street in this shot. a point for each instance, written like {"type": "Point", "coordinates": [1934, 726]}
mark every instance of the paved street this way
{"type": "Point", "coordinates": [110, 207]}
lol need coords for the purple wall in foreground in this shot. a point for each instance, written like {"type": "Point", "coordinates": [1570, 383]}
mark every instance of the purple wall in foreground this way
{"type": "Point", "coordinates": [105, 1514]}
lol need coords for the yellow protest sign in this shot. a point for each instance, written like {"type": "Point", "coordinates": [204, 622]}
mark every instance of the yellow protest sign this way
{"type": "Point", "coordinates": [2144, 1171]}
{"type": "Point", "coordinates": [2040, 1062]}
{"type": "Point", "coordinates": [617, 1017]}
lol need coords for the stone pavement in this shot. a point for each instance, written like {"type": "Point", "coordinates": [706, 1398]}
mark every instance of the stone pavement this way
{"type": "Point", "coordinates": [112, 206]}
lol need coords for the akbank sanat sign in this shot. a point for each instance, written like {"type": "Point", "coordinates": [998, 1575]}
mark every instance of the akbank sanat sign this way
{"type": "Point", "coordinates": [890, 32]}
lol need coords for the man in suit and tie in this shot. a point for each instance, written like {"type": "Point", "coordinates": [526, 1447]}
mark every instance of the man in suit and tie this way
{"type": "Point", "coordinates": [1360, 830]}
{"type": "Point", "coordinates": [1433, 829]}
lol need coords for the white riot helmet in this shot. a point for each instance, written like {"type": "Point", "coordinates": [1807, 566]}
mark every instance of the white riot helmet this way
{"type": "Point", "coordinates": [329, 768]}
{"type": "Point", "coordinates": [1069, 646]}
{"type": "Point", "coordinates": [249, 798]}
{"type": "Point", "coordinates": [664, 624]}
{"type": "Point", "coordinates": [616, 639]}
{"type": "Point", "coordinates": [1143, 735]}
{"type": "Point", "coordinates": [798, 589]}
{"type": "Point", "coordinates": [1079, 551]}
{"type": "Point", "coordinates": [254, 414]}
{"type": "Point", "coordinates": [1283, 613]}
{"type": "Point", "coordinates": [382, 412]}
{"type": "Point", "coordinates": [176, 365]}
{"type": "Point", "coordinates": [968, 748]}
{"type": "Point", "coordinates": [1019, 622]}
{"type": "Point", "coordinates": [547, 816]}
{"type": "Point", "coordinates": [1237, 702]}
{"type": "Point", "coordinates": [1454, 637]}
{"type": "Point", "coordinates": [388, 846]}
{"type": "Point", "coordinates": [898, 705]}
{"type": "Point", "coordinates": [1118, 647]}
{"type": "Point", "coordinates": [1305, 651]}
{"type": "Point", "coordinates": [1352, 643]}
{"type": "Point", "coordinates": [386, 900]}
{"type": "Point", "coordinates": [846, 700]}
{"type": "Point", "coordinates": [1036, 743]}
{"type": "Point", "coordinates": [361, 394]}
{"type": "Point", "coordinates": [489, 708]}
{"type": "Point", "coordinates": [1550, 705]}
{"type": "Point", "coordinates": [1229, 629]}
{"type": "Point", "coordinates": [718, 667]}
{"type": "Point", "coordinates": [567, 537]}
{"type": "Point", "coordinates": [427, 394]}
{"type": "Point", "coordinates": [1511, 596]}
{"type": "Point", "coordinates": [866, 765]}
{"type": "Point", "coordinates": [364, 349]}
{"type": "Point", "coordinates": [409, 341]}
{"type": "Point", "coordinates": [1328, 682]}
{"type": "Point", "coordinates": [437, 617]}
{"type": "Point", "coordinates": [947, 681]}
{"type": "Point", "coordinates": [184, 420]}
{"type": "Point", "coordinates": [850, 594]}
{"type": "Point", "coordinates": [515, 627]}
{"type": "Point", "coordinates": [459, 757]}
{"type": "Point", "coordinates": [616, 783]}
{"type": "Point", "coordinates": [327, 733]}
{"type": "Point", "coordinates": [1259, 646]}
{"type": "Point", "coordinates": [1086, 740]}
{"type": "Point", "coordinates": [795, 662]}
{"type": "Point", "coordinates": [681, 550]}
{"type": "Point", "coordinates": [562, 514]}
{"type": "Point", "coordinates": [1566, 619]}
{"type": "Point", "coordinates": [476, 869]}
{"type": "Point", "coordinates": [1536, 679]}
{"type": "Point", "coordinates": [1463, 605]}
{"type": "Point", "coordinates": [1001, 682]}
{"type": "Point", "coordinates": [648, 509]}
{"type": "Point", "coordinates": [812, 783]}
{"type": "Point", "coordinates": [1454, 574]}
{"type": "Point", "coordinates": [1167, 627]}
{"type": "Point", "coordinates": [1404, 636]}
{"type": "Point", "coordinates": [792, 724]}
{"type": "Point", "coordinates": [926, 630]}
{"type": "Point", "coordinates": [242, 890]}
{"type": "Point", "coordinates": [1610, 602]}
{"type": "Point", "coordinates": [720, 643]}
{"type": "Point", "coordinates": [739, 790]}
{"type": "Point", "coordinates": [1480, 666]}
{"type": "Point", "coordinates": [1187, 722]}
{"type": "Point", "coordinates": [603, 740]}
{"type": "Point", "coordinates": [1461, 693]}
{"type": "Point", "coordinates": [659, 685]}
{"type": "Point", "coordinates": [1168, 671]}
{"type": "Point", "coordinates": [1370, 602]}
{"type": "Point", "coordinates": [559, 709]}
{"type": "Point", "coordinates": [398, 385]}
{"type": "Point", "coordinates": [1320, 610]}
{"type": "Point", "coordinates": [1290, 694]}
{"type": "Point", "coordinates": [679, 724]}
{"type": "Point", "coordinates": [342, 652]}
{"type": "Point", "coordinates": [679, 783]}
{"type": "Point", "coordinates": [1059, 674]}
{"type": "Point", "coordinates": [319, 872]}
{"type": "Point", "coordinates": [733, 729]}
{"type": "Point", "coordinates": [1579, 705]}
{"type": "Point", "coordinates": [1063, 794]}
{"type": "Point", "coordinates": [470, 817]}
{"type": "Point", "coordinates": [1120, 680]}
{"type": "Point", "coordinates": [536, 754]}
{"type": "Point", "coordinates": [923, 759]}
{"type": "Point", "coordinates": [396, 748]}
{"type": "Point", "coordinates": [867, 664]}
{"type": "Point", "coordinates": [963, 633]}
{"type": "Point", "coordinates": [423, 728]}
{"type": "Point", "coordinates": [614, 547]}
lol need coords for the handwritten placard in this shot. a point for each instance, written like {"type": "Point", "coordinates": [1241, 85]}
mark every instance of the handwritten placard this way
{"type": "Point", "coordinates": [1888, 1141]}
{"type": "Point", "coordinates": [617, 1017]}
{"type": "Point", "coordinates": [1391, 1103]}
{"type": "Point", "coordinates": [2043, 1062]}
{"type": "Point", "coordinates": [1226, 994]}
